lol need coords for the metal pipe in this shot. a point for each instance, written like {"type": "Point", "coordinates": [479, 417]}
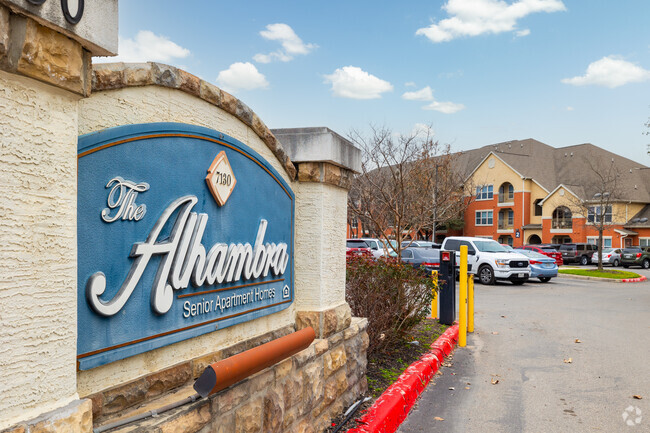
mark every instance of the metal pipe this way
{"type": "Point", "coordinates": [148, 414]}
{"type": "Point", "coordinates": [224, 373]}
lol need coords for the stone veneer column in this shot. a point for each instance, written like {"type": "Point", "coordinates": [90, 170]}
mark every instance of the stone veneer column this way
{"type": "Point", "coordinates": [43, 74]}
{"type": "Point", "coordinates": [325, 163]}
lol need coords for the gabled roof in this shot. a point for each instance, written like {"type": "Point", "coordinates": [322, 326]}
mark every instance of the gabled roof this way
{"type": "Point", "coordinates": [640, 220]}
{"type": "Point", "coordinates": [572, 166]}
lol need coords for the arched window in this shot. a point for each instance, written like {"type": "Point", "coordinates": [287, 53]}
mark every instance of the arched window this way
{"type": "Point", "coordinates": [562, 218]}
{"type": "Point", "coordinates": [506, 193]}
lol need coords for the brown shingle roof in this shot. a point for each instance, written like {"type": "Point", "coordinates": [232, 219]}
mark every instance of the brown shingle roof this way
{"type": "Point", "coordinates": [569, 165]}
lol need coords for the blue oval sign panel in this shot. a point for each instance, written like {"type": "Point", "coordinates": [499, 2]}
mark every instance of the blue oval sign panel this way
{"type": "Point", "coordinates": [182, 231]}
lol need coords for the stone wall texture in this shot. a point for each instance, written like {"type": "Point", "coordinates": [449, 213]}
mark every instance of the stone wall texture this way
{"type": "Point", "coordinates": [38, 288]}
{"type": "Point", "coordinates": [300, 394]}
{"type": "Point", "coordinates": [30, 49]}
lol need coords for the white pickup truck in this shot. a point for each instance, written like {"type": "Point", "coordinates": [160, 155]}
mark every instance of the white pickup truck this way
{"type": "Point", "coordinates": [489, 260]}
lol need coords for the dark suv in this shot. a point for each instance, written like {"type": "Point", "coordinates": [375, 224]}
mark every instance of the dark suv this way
{"type": "Point", "coordinates": [577, 253]}
{"type": "Point", "coordinates": [636, 256]}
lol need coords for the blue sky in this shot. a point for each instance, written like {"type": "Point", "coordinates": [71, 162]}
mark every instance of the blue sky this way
{"type": "Point", "coordinates": [477, 71]}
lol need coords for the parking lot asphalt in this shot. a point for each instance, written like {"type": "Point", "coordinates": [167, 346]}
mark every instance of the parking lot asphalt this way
{"type": "Point", "coordinates": [523, 371]}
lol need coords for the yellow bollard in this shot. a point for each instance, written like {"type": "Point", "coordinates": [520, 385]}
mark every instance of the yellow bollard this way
{"type": "Point", "coordinates": [462, 302]}
{"type": "Point", "coordinates": [434, 301]}
{"type": "Point", "coordinates": [470, 304]}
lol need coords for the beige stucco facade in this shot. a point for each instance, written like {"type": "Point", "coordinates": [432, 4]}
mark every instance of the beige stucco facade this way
{"type": "Point", "coordinates": [38, 288]}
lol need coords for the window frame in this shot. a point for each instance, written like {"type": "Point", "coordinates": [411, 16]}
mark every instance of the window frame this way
{"type": "Point", "coordinates": [485, 192]}
{"type": "Point", "coordinates": [593, 216]}
{"type": "Point", "coordinates": [478, 221]}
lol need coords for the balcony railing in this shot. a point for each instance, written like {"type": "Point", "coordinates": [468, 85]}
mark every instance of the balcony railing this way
{"type": "Point", "coordinates": [506, 198]}
{"type": "Point", "coordinates": [562, 224]}
{"type": "Point", "coordinates": [504, 225]}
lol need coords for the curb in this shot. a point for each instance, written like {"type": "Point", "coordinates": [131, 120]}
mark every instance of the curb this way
{"type": "Point", "coordinates": [392, 407]}
{"type": "Point", "coordinates": [612, 280]}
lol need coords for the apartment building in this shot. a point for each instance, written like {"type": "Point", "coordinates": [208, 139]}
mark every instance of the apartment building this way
{"type": "Point", "coordinates": [527, 192]}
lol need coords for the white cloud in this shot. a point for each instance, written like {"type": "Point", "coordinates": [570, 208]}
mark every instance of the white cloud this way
{"type": "Point", "coordinates": [522, 33]}
{"type": "Point", "coordinates": [610, 72]}
{"type": "Point", "coordinates": [570, 108]}
{"type": "Point", "coordinates": [477, 17]}
{"type": "Point", "coordinates": [424, 94]}
{"type": "Point", "coordinates": [444, 107]}
{"type": "Point", "coordinates": [292, 45]}
{"type": "Point", "coordinates": [409, 84]}
{"type": "Point", "coordinates": [241, 76]}
{"type": "Point", "coordinates": [146, 47]}
{"type": "Point", "coordinates": [422, 130]}
{"type": "Point", "coordinates": [353, 82]}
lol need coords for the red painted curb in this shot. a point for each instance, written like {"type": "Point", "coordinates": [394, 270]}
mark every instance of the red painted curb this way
{"type": "Point", "coordinates": [634, 280]}
{"type": "Point", "coordinates": [391, 408]}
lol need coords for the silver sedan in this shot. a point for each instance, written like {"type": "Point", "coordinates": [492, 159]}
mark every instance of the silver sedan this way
{"type": "Point", "coordinates": [611, 256]}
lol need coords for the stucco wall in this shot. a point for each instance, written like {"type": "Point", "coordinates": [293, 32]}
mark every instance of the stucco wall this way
{"type": "Point", "coordinates": [38, 256]}
{"type": "Point", "coordinates": [158, 104]}
{"type": "Point", "coordinates": [496, 175]}
{"type": "Point", "coordinates": [321, 215]}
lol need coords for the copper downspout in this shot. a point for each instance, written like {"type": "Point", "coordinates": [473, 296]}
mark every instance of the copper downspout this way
{"type": "Point", "coordinates": [222, 374]}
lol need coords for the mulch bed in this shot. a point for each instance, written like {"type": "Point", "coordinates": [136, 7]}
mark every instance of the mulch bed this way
{"type": "Point", "coordinates": [385, 367]}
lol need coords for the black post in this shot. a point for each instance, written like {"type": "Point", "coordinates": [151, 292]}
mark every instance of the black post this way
{"type": "Point", "coordinates": [447, 293]}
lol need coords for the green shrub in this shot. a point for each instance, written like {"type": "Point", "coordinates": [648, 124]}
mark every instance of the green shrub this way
{"type": "Point", "coordinates": [393, 296]}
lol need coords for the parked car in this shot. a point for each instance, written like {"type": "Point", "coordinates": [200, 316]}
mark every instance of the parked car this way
{"type": "Point", "coordinates": [636, 256]}
{"type": "Point", "coordinates": [547, 251]}
{"type": "Point", "coordinates": [507, 247]}
{"type": "Point", "coordinates": [426, 244]}
{"type": "Point", "coordinates": [577, 253]}
{"type": "Point", "coordinates": [357, 247]}
{"type": "Point", "coordinates": [427, 259]}
{"type": "Point", "coordinates": [489, 260]}
{"type": "Point", "coordinates": [377, 247]}
{"type": "Point", "coordinates": [541, 266]}
{"type": "Point", "coordinates": [611, 256]}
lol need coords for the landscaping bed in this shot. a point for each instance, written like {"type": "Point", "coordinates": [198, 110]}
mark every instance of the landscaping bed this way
{"type": "Point", "coordinates": [385, 366]}
{"type": "Point", "coordinates": [605, 273]}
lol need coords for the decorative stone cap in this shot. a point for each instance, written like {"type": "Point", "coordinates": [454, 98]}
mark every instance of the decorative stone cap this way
{"type": "Point", "coordinates": [112, 76]}
{"type": "Point", "coordinates": [319, 144]}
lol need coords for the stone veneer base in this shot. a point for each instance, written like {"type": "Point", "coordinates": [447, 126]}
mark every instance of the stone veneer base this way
{"type": "Point", "coordinates": [300, 394]}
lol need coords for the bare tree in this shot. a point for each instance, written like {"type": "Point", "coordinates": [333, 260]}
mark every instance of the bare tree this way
{"type": "Point", "coordinates": [406, 185]}
{"type": "Point", "coordinates": [597, 204]}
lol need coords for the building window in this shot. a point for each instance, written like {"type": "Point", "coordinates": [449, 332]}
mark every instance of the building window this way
{"type": "Point", "coordinates": [483, 217]}
{"type": "Point", "coordinates": [538, 207]}
{"type": "Point", "coordinates": [607, 241]}
{"type": "Point", "coordinates": [354, 223]}
{"type": "Point", "coordinates": [484, 192]}
{"type": "Point", "coordinates": [562, 218]}
{"type": "Point", "coordinates": [506, 193]}
{"type": "Point", "coordinates": [644, 242]}
{"type": "Point", "coordinates": [595, 213]}
{"type": "Point", "coordinates": [506, 219]}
